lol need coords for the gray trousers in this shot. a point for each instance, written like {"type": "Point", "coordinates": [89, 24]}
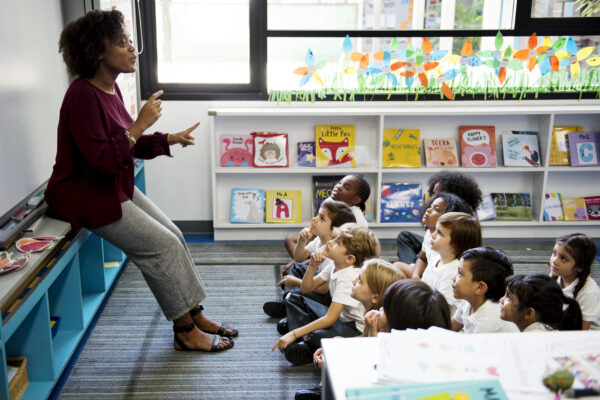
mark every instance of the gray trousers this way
{"type": "Point", "coordinates": [153, 243]}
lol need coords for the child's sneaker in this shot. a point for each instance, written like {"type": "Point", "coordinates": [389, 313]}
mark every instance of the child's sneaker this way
{"type": "Point", "coordinates": [282, 326]}
{"type": "Point", "coordinates": [275, 309]}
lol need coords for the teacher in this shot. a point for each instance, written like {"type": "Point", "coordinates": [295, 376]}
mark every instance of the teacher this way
{"type": "Point", "coordinates": [92, 180]}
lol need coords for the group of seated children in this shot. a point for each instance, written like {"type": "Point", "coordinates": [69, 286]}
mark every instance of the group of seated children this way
{"type": "Point", "coordinates": [446, 279]}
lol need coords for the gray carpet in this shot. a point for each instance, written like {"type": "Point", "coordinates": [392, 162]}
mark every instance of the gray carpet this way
{"type": "Point", "coordinates": [130, 355]}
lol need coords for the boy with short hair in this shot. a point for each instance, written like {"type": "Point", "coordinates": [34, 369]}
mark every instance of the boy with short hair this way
{"type": "Point", "coordinates": [309, 321]}
{"type": "Point", "coordinates": [480, 281]}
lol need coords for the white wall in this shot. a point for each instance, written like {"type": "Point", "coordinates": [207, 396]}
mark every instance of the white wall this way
{"type": "Point", "coordinates": [32, 83]}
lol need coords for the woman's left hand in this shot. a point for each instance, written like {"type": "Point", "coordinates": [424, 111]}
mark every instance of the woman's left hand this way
{"type": "Point", "coordinates": [283, 341]}
{"type": "Point", "coordinates": [184, 137]}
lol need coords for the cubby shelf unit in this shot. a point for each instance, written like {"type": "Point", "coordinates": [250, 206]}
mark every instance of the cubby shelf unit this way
{"type": "Point", "coordinates": [434, 120]}
{"type": "Point", "coordinates": [76, 282]}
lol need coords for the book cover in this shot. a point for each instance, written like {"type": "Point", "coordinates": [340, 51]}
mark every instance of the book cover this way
{"type": "Point", "coordinates": [469, 390]}
{"type": "Point", "coordinates": [401, 202]}
{"type": "Point", "coordinates": [335, 146]}
{"type": "Point", "coordinates": [521, 150]}
{"type": "Point", "coordinates": [306, 154]}
{"type": "Point", "coordinates": [247, 206]}
{"type": "Point", "coordinates": [553, 207]}
{"type": "Point", "coordinates": [401, 148]}
{"type": "Point", "coordinates": [478, 146]}
{"type": "Point", "coordinates": [559, 145]}
{"type": "Point", "coordinates": [512, 206]}
{"type": "Point", "coordinates": [283, 206]}
{"type": "Point", "coordinates": [270, 149]}
{"type": "Point", "coordinates": [322, 185]}
{"type": "Point", "coordinates": [440, 152]}
{"type": "Point", "coordinates": [574, 209]}
{"type": "Point", "coordinates": [236, 150]}
{"type": "Point", "coordinates": [584, 148]}
{"type": "Point", "coordinates": [486, 210]}
{"type": "Point", "coordinates": [592, 206]}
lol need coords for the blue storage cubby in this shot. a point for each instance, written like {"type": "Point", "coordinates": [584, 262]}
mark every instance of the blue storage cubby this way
{"type": "Point", "coordinates": [140, 178]}
{"type": "Point", "coordinates": [32, 339]}
{"type": "Point", "coordinates": [64, 300]}
{"type": "Point", "coordinates": [3, 374]}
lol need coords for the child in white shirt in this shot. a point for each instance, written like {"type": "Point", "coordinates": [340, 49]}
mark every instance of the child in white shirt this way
{"type": "Point", "coordinates": [454, 233]}
{"type": "Point", "coordinates": [571, 265]}
{"type": "Point", "coordinates": [309, 321]}
{"type": "Point", "coordinates": [480, 281]}
{"type": "Point", "coordinates": [536, 303]}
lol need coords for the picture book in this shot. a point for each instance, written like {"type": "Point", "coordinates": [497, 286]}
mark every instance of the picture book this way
{"type": "Point", "coordinates": [477, 146]}
{"type": "Point", "coordinates": [469, 390]}
{"type": "Point", "coordinates": [574, 209]}
{"type": "Point", "coordinates": [236, 150]}
{"type": "Point", "coordinates": [592, 206]}
{"type": "Point", "coordinates": [584, 148]}
{"type": "Point", "coordinates": [270, 149]}
{"type": "Point", "coordinates": [247, 206]}
{"type": "Point", "coordinates": [512, 206]}
{"type": "Point", "coordinates": [486, 210]}
{"type": "Point", "coordinates": [521, 150]}
{"type": "Point", "coordinates": [401, 148]}
{"type": "Point", "coordinates": [440, 152]}
{"type": "Point", "coordinates": [553, 207]}
{"type": "Point", "coordinates": [322, 185]}
{"type": "Point", "coordinates": [559, 145]}
{"type": "Point", "coordinates": [283, 206]}
{"type": "Point", "coordinates": [306, 154]}
{"type": "Point", "coordinates": [335, 146]}
{"type": "Point", "coordinates": [401, 202]}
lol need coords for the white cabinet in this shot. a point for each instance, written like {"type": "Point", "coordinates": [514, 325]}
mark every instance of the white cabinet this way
{"type": "Point", "coordinates": [434, 120]}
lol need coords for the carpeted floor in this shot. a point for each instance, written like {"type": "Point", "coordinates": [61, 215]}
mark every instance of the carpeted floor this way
{"type": "Point", "coordinates": [129, 354]}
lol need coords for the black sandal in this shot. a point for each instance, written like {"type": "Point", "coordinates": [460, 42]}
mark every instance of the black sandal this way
{"type": "Point", "coordinates": [223, 329]}
{"type": "Point", "coordinates": [188, 328]}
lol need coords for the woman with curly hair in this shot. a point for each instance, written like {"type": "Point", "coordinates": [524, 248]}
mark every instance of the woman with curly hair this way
{"type": "Point", "coordinates": [92, 180]}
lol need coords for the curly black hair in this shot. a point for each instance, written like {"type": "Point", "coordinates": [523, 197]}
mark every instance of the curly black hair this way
{"type": "Point", "coordinates": [462, 185]}
{"type": "Point", "coordinates": [82, 41]}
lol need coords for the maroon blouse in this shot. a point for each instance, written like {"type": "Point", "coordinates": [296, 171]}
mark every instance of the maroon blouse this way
{"type": "Point", "coordinates": [93, 171]}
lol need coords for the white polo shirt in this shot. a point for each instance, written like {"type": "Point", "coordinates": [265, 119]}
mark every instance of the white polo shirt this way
{"type": "Point", "coordinates": [588, 299]}
{"type": "Point", "coordinates": [538, 327]}
{"type": "Point", "coordinates": [314, 246]}
{"type": "Point", "coordinates": [340, 289]}
{"type": "Point", "coordinates": [432, 255]}
{"type": "Point", "coordinates": [439, 277]}
{"type": "Point", "coordinates": [485, 320]}
{"type": "Point", "coordinates": [359, 216]}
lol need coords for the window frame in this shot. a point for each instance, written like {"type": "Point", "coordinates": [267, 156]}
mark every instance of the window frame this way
{"type": "Point", "coordinates": [524, 25]}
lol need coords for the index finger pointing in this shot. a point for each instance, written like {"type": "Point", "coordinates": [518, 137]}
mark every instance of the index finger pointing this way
{"type": "Point", "coordinates": [155, 95]}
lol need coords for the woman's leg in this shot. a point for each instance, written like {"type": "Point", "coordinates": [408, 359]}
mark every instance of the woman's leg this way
{"type": "Point", "coordinates": [152, 209]}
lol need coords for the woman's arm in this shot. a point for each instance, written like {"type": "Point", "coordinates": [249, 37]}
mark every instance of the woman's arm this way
{"type": "Point", "coordinates": [326, 321]}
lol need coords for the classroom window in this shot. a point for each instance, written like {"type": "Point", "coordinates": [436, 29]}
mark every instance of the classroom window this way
{"type": "Point", "coordinates": [564, 9]}
{"type": "Point", "coordinates": [247, 49]}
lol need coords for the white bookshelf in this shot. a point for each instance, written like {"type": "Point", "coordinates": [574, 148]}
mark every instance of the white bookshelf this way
{"type": "Point", "coordinates": [434, 120]}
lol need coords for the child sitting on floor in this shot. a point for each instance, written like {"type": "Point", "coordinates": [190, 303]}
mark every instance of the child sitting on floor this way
{"type": "Point", "coordinates": [535, 303]}
{"type": "Point", "coordinates": [439, 204]}
{"type": "Point", "coordinates": [571, 265]}
{"type": "Point", "coordinates": [465, 187]}
{"type": "Point", "coordinates": [369, 288]}
{"type": "Point", "coordinates": [454, 233]}
{"type": "Point", "coordinates": [309, 321]}
{"type": "Point", "coordinates": [480, 281]}
{"type": "Point", "coordinates": [332, 214]}
{"type": "Point", "coordinates": [354, 190]}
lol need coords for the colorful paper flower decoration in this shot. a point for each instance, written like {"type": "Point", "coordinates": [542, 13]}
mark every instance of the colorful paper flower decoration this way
{"type": "Point", "coordinates": [409, 66]}
{"type": "Point", "coordinates": [310, 70]}
{"type": "Point", "coordinates": [387, 68]}
{"type": "Point", "coordinates": [465, 59]}
{"type": "Point", "coordinates": [446, 77]}
{"type": "Point", "coordinates": [493, 55]}
{"type": "Point", "coordinates": [572, 56]}
{"type": "Point", "coordinates": [531, 53]}
{"type": "Point", "coordinates": [548, 60]}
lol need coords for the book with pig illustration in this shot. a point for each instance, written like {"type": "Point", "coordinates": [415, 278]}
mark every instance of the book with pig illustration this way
{"type": "Point", "coordinates": [440, 152]}
{"type": "Point", "coordinates": [283, 206]}
{"type": "Point", "coordinates": [335, 146]}
{"type": "Point", "coordinates": [247, 206]}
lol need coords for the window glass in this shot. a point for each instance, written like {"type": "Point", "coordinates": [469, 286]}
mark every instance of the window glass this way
{"type": "Point", "coordinates": [203, 41]}
{"type": "Point", "coordinates": [563, 9]}
{"type": "Point", "coordinates": [389, 14]}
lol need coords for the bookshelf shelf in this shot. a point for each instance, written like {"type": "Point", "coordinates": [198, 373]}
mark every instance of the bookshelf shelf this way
{"type": "Point", "coordinates": [434, 120]}
{"type": "Point", "coordinates": [72, 285]}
